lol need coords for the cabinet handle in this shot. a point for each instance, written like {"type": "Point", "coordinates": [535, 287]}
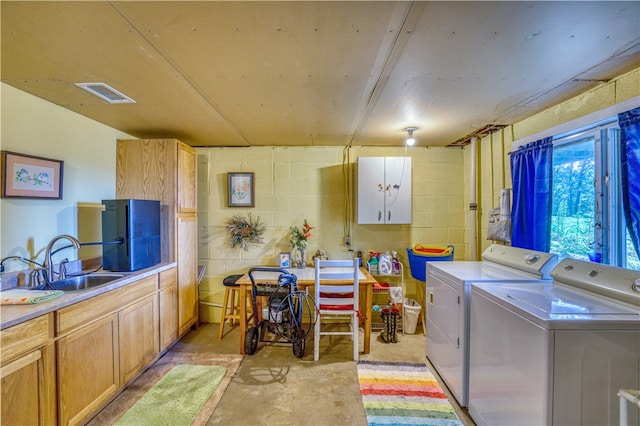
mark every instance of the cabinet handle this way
{"type": "Point", "coordinates": [379, 215]}
{"type": "Point", "coordinates": [389, 216]}
{"type": "Point", "coordinates": [431, 298]}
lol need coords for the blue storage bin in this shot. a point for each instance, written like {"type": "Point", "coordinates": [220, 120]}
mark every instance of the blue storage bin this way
{"type": "Point", "coordinates": [417, 262]}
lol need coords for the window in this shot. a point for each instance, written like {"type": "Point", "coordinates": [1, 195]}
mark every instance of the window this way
{"type": "Point", "coordinates": [573, 217]}
{"type": "Point", "coordinates": [587, 220]}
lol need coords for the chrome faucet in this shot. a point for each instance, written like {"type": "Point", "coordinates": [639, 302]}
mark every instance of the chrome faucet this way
{"type": "Point", "coordinates": [48, 263]}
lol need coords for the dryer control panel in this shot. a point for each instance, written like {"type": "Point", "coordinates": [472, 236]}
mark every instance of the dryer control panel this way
{"type": "Point", "coordinates": [537, 263]}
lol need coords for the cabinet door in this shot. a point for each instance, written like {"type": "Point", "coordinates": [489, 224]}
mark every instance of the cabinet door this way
{"type": "Point", "coordinates": [144, 170]}
{"type": "Point", "coordinates": [28, 392]}
{"type": "Point", "coordinates": [187, 173]}
{"type": "Point", "coordinates": [87, 369]}
{"type": "Point", "coordinates": [371, 192]}
{"type": "Point", "coordinates": [139, 337]}
{"type": "Point", "coordinates": [168, 316]}
{"type": "Point", "coordinates": [397, 190]}
{"type": "Point", "coordinates": [168, 298]}
{"type": "Point", "coordinates": [187, 272]}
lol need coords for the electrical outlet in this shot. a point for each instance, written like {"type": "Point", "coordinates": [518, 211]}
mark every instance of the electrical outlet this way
{"type": "Point", "coordinates": [347, 240]}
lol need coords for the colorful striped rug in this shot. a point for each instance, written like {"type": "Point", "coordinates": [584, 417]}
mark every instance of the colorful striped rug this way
{"type": "Point", "coordinates": [403, 393]}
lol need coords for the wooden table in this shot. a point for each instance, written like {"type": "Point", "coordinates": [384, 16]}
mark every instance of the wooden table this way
{"type": "Point", "coordinates": [306, 279]}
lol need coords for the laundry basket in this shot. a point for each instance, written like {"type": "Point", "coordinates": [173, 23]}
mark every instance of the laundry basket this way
{"type": "Point", "coordinates": [420, 254]}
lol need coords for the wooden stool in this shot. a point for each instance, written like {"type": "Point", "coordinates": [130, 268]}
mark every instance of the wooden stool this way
{"type": "Point", "coordinates": [229, 302]}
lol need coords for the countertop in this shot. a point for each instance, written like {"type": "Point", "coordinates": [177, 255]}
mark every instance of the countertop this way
{"type": "Point", "coordinates": [15, 314]}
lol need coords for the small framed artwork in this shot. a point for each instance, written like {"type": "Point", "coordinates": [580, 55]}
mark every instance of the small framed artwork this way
{"type": "Point", "coordinates": [28, 176]}
{"type": "Point", "coordinates": [285, 260]}
{"type": "Point", "coordinates": [241, 192]}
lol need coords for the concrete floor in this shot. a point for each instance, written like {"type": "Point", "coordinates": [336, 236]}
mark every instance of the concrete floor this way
{"type": "Point", "coordinates": [273, 387]}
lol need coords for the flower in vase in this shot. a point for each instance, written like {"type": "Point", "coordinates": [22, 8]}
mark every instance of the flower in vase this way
{"type": "Point", "coordinates": [300, 236]}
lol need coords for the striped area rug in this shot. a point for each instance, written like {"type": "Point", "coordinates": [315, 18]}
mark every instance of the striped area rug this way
{"type": "Point", "coordinates": [402, 393]}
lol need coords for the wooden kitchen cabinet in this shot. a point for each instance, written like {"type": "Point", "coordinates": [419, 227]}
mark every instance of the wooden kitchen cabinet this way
{"type": "Point", "coordinates": [165, 170]}
{"type": "Point", "coordinates": [27, 374]}
{"type": "Point", "coordinates": [168, 307]}
{"type": "Point", "coordinates": [88, 369]}
{"type": "Point", "coordinates": [103, 342]}
{"type": "Point", "coordinates": [187, 175]}
{"type": "Point", "coordinates": [64, 366]}
{"type": "Point", "coordinates": [139, 336]}
{"type": "Point", "coordinates": [187, 234]}
{"type": "Point", "coordinates": [384, 190]}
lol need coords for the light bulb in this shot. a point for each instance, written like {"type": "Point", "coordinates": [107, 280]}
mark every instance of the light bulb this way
{"type": "Point", "coordinates": [410, 139]}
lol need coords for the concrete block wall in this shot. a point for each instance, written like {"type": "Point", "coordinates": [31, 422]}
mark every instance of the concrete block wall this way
{"type": "Point", "coordinates": [297, 183]}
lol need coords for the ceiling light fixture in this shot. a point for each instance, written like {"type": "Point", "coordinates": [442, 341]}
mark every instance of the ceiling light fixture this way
{"type": "Point", "coordinates": [106, 93]}
{"type": "Point", "coordinates": [410, 139]}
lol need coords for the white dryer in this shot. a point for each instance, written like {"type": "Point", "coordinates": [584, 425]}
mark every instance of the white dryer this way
{"type": "Point", "coordinates": [448, 289]}
{"type": "Point", "coordinates": [555, 355]}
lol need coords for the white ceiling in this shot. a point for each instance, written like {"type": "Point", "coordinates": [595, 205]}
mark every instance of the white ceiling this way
{"type": "Point", "coordinates": [239, 73]}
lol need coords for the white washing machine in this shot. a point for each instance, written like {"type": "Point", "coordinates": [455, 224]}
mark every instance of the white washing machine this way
{"type": "Point", "coordinates": [448, 289]}
{"type": "Point", "coordinates": [555, 355]}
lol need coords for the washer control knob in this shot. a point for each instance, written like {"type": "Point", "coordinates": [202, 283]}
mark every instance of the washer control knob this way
{"type": "Point", "coordinates": [593, 273]}
{"type": "Point", "coordinates": [568, 268]}
{"type": "Point", "coordinates": [530, 259]}
{"type": "Point", "coordinates": [636, 285]}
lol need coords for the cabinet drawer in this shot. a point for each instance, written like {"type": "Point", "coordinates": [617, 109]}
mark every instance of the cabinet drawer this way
{"type": "Point", "coordinates": [24, 337]}
{"type": "Point", "coordinates": [168, 278]}
{"type": "Point", "coordinates": [89, 310]}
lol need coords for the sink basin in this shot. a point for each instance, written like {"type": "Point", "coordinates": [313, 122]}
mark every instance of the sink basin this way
{"type": "Point", "coordinates": [84, 282]}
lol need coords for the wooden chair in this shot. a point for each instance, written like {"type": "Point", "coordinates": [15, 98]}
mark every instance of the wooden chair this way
{"type": "Point", "coordinates": [336, 300]}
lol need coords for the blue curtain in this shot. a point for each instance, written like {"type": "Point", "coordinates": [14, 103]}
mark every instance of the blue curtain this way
{"type": "Point", "coordinates": [531, 175]}
{"type": "Point", "coordinates": [630, 161]}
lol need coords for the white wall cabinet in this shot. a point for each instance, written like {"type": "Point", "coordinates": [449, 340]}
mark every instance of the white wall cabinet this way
{"type": "Point", "coordinates": [384, 190]}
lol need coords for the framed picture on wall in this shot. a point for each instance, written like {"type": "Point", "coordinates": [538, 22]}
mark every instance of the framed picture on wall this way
{"type": "Point", "coordinates": [241, 192]}
{"type": "Point", "coordinates": [285, 260]}
{"type": "Point", "coordinates": [28, 176]}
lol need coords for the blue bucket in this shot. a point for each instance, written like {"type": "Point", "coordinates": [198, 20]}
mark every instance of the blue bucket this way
{"type": "Point", "coordinates": [417, 263]}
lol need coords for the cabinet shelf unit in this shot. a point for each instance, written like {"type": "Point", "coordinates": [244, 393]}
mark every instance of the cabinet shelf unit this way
{"type": "Point", "coordinates": [380, 292]}
{"type": "Point", "coordinates": [383, 190]}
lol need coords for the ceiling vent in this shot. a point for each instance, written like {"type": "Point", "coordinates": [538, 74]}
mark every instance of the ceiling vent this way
{"type": "Point", "coordinates": [480, 133]}
{"type": "Point", "coordinates": [106, 93]}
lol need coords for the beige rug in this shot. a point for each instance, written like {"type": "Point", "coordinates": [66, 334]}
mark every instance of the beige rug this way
{"type": "Point", "coordinates": [142, 384]}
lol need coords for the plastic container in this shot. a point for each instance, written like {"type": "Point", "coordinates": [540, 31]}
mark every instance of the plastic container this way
{"type": "Point", "coordinates": [419, 255]}
{"type": "Point", "coordinates": [432, 250]}
{"type": "Point", "coordinates": [410, 316]}
{"type": "Point", "coordinates": [373, 265]}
